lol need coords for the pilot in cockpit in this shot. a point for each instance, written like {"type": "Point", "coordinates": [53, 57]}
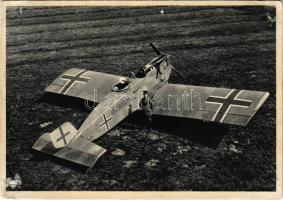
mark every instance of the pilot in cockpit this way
{"type": "Point", "coordinates": [148, 68]}
{"type": "Point", "coordinates": [122, 84]}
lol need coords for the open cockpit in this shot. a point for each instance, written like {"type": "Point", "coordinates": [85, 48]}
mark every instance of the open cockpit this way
{"type": "Point", "coordinates": [122, 85]}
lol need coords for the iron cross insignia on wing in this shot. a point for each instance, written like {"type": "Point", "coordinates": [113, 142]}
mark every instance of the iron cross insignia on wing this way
{"type": "Point", "coordinates": [225, 103]}
{"type": "Point", "coordinates": [72, 79]}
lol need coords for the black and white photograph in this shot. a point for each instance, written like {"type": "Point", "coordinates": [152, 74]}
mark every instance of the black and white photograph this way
{"type": "Point", "coordinates": [141, 98]}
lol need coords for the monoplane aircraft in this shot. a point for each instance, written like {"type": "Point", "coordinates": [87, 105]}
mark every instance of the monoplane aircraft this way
{"type": "Point", "coordinates": [117, 97]}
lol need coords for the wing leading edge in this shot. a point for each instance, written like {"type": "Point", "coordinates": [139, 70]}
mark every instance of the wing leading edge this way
{"type": "Point", "coordinates": [221, 105]}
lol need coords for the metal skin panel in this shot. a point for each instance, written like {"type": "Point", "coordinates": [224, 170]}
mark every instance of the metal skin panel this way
{"type": "Point", "coordinates": [88, 85]}
{"type": "Point", "coordinates": [108, 114]}
{"type": "Point", "coordinates": [237, 119]}
{"type": "Point", "coordinates": [77, 156]}
{"type": "Point", "coordinates": [41, 142]}
{"type": "Point", "coordinates": [62, 135]}
{"type": "Point", "coordinates": [81, 152]}
{"type": "Point", "coordinates": [207, 103]}
{"type": "Point", "coordinates": [87, 147]}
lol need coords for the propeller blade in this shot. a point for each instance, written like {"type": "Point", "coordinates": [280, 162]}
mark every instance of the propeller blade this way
{"type": "Point", "coordinates": [173, 68]}
{"type": "Point", "coordinates": [156, 50]}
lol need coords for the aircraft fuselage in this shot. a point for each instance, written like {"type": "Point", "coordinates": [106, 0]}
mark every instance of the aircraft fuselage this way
{"type": "Point", "coordinates": [116, 106]}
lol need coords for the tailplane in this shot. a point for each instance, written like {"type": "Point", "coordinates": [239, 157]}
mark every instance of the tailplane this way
{"type": "Point", "coordinates": [65, 143]}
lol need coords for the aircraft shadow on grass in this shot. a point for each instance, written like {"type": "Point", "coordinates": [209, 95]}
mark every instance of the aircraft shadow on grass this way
{"type": "Point", "coordinates": [206, 133]}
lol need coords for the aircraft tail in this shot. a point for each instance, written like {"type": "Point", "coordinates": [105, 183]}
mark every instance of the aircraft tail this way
{"type": "Point", "coordinates": [64, 144]}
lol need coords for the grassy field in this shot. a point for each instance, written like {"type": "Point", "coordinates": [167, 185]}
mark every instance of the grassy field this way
{"type": "Point", "coordinates": [212, 46]}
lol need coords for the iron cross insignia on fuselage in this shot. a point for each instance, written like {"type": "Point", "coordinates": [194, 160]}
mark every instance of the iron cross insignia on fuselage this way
{"type": "Point", "coordinates": [225, 103]}
{"type": "Point", "coordinates": [105, 121]}
{"type": "Point", "coordinates": [72, 79]}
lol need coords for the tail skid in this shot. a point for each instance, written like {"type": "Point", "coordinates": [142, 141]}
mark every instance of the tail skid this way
{"type": "Point", "coordinates": [63, 144]}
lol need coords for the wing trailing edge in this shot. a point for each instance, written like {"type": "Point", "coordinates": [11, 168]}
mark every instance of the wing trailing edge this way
{"type": "Point", "coordinates": [230, 106]}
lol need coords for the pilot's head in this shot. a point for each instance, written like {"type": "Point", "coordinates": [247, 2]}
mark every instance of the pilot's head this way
{"type": "Point", "coordinates": [145, 91]}
{"type": "Point", "coordinates": [147, 67]}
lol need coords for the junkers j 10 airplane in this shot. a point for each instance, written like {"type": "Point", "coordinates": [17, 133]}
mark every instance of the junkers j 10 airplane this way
{"type": "Point", "coordinates": [118, 97]}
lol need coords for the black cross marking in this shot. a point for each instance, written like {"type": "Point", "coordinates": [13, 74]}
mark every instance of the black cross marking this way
{"type": "Point", "coordinates": [106, 122]}
{"type": "Point", "coordinates": [226, 102]}
{"type": "Point", "coordinates": [72, 79]}
{"type": "Point", "coordinates": [63, 136]}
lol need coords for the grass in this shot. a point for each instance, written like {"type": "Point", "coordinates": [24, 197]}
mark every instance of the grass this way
{"type": "Point", "coordinates": [213, 46]}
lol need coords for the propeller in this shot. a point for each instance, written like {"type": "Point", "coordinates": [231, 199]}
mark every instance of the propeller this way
{"type": "Point", "coordinates": [158, 52]}
{"type": "Point", "coordinates": [176, 72]}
